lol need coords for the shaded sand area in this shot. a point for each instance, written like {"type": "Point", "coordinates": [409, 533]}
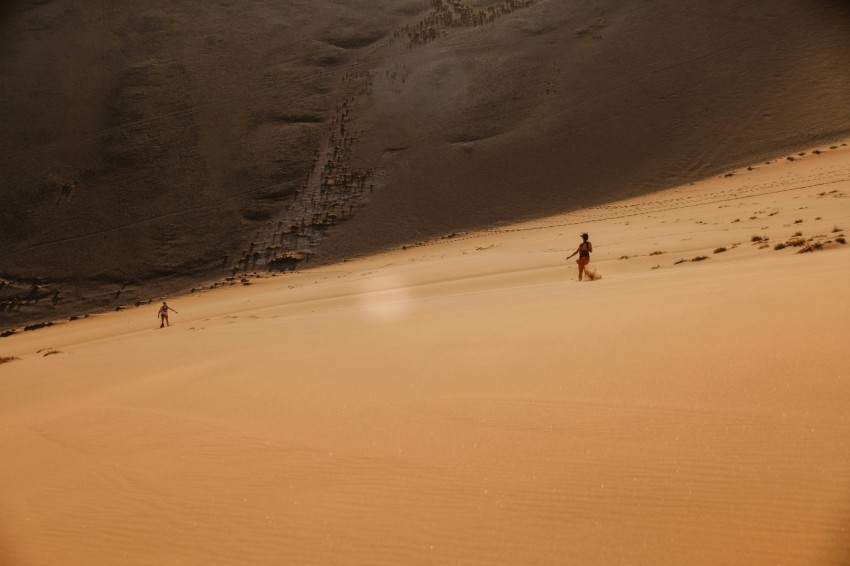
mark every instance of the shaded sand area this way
{"type": "Point", "coordinates": [466, 401]}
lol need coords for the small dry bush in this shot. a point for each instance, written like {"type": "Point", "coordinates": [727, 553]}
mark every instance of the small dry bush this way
{"type": "Point", "coordinates": [811, 247]}
{"type": "Point", "coordinates": [48, 352]}
{"type": "Point", "coordinates": [720, 250]}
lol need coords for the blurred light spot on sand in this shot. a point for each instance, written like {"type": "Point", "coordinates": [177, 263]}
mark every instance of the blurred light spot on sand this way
{"type": "Point", "coordinates": [385, 299]}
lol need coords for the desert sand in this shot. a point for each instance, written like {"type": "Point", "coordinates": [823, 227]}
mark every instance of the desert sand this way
{"type": "Point", "coordinates": [466, 400]}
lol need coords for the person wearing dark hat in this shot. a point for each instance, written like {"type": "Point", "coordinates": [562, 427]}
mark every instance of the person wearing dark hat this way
{"type": "Point", "coordinates": [583, 252]}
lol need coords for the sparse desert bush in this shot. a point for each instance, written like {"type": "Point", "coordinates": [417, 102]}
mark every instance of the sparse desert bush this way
{"type": "Point", "coordinates": [837, 229]}
{"type": "Point", "coordinates": [755, 239]}
{"type": "Point", "coordinates": [680, 261]}
{"type": "Point", "coordinates": [656, 253]}
{"type": "Point", "coordinates": [779, 246]}
{"type": "Point", "coordinates": [797, 234]}
{"type": "Point", "coordinates": [720, 250]}
{"type": "Point", "coordinates": [699, 258]}
{"type": "Point", "coordinates": [841, 240]}
{"type": "Point", "coordinates": [7, 359]}
{"type": "Point", "coordinates": [811, 247]}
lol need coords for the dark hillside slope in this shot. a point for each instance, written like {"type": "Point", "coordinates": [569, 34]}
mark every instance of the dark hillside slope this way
{"type": "Point", "coordinates": [146, 147]}
{"type": "Point", "coordinates": [569, 104]}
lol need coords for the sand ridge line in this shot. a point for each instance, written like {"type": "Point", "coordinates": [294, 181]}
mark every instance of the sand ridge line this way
{"type": "Point", "coordinates": [602, 217]}
{"type": "Point", "coordinates": [702, 200]}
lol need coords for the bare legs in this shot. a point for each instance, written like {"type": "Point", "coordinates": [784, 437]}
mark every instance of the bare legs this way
{"type": "Point", "coordinates": [582, 262]}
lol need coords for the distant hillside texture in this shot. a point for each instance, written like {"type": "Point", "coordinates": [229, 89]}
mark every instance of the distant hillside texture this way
{"type": "Point", "coordinates": [148, 147]}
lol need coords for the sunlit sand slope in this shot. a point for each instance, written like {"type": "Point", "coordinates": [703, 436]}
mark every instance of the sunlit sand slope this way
{"type": "Point", "coordinates": [466, 401]}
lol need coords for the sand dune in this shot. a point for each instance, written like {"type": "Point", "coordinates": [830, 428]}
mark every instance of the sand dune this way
{"type": "Point", "coordinates": [152, 147]}
{"type": "Point", "coordinates": [466, 400]}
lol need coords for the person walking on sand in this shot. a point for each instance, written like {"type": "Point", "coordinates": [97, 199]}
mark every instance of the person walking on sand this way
{"type": "Point", "coordinates": [163, 314]}
{"type": "Point", "coordinates": [583, 251]}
